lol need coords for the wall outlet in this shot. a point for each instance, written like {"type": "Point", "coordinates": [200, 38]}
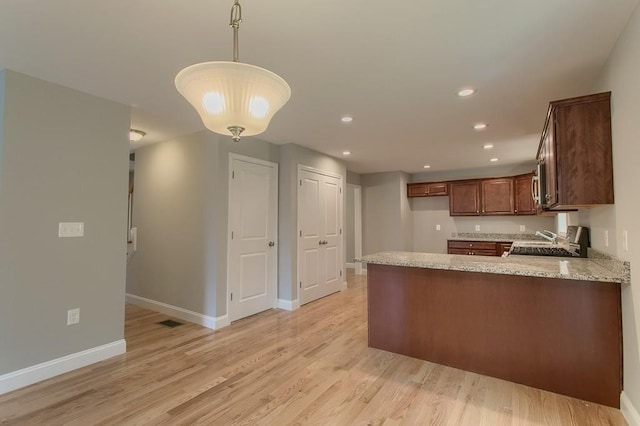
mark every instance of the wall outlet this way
{"type": "Point", "coordinates": [522, 228]}
{"type": "Point", "coordinates": [606, 238]}
{"type": "Point", "coordinates": [437, 227]}
{"type": "Point", "coordinates": [625, 240]}
{"type": "Point", "coordinates": [73, 316]}
{"type": "Point", "coordinates": [477, 228]}
{"type": "Point", "coordinates": [70, 229]}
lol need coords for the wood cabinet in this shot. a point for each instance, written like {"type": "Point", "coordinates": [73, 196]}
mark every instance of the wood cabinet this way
{"type": "Point", "coordinates": [575, 153]}
{"type": "Point", "coordinates": [427, 189]}
{"type": "Point", "coordinates": [482, 197]}
{"type": "Point", "coordinates": [523, 198]}
{"type": "Point", "coordinates": [497, 196]}
{"type": "Point", "coordinates": [464, 198]}
{"type": "Point", "coordinates": [477, 248]}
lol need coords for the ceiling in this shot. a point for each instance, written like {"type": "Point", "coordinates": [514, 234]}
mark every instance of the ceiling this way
{"type": "Point", "coordinates": [394, 66]}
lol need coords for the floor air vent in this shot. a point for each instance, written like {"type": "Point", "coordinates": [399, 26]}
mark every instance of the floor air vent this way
{"type": "Point", "coordinates": [170, 323]}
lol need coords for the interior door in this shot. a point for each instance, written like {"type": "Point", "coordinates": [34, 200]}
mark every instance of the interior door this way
{"type": "Point", "coordinates": [331, 196]}
{"type": "Point", "coordinates": [253, 219]}
{"type": "Point", "coordinates": [320, 260]}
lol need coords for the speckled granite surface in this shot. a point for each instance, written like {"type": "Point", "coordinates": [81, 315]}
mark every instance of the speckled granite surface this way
{"type": "Point", "coordinates": [604, 270]}
{"type": "Point", "coordinates": [507, 238]}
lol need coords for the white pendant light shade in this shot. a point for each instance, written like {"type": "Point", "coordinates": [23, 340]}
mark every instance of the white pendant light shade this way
{"type": "Point", "coordinates": [230, 95]}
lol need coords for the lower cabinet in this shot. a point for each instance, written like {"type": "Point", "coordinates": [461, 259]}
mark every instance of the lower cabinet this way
{"type": "Point", "coordinates": [477, 248]}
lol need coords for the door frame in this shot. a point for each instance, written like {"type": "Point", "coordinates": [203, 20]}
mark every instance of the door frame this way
{"type": "Point", "coordinates": [343, 194]}
{"type": "Point", "coordinates": [233, 156]}
{"type": "Point", "coordinates": [357, 225]}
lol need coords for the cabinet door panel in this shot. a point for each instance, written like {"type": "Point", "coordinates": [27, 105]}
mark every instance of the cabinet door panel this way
{"type": "Point", "coordinates": [464, 198]}
{"type": "Point", "coordinates": [524, 203]}
{"type": "Point", "coordinates": [497, 196]}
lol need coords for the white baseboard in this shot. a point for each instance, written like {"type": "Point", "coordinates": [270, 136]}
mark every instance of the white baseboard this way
{"type": "Point", "coordinates": [46, 370]}
{"type": "Point", "coordinates": [288, 305]}
{"type": "Point", "coordinates": [178, 312]}
{"type": "Point", "coordinates": [351, 265]}
{"type": "Point", "coordinates": [630, 413]}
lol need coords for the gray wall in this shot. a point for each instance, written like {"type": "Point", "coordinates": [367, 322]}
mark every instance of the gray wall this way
{"type": "Point", "coordinates": [350, 223]}
{"type": "Point", "coordinates": [431, 211]}
{"type": "Point", "coordinates": [386, 220]}
{"type": "Point", "coordinates": [391, 221]}
{"type": "Point", "coordinates": [620, 75]}
{"type": "Point", "coordinates": [290, 156]}
{"type": "Point", "coordinates": [181, 212]}
{"type": "Point", "coordinates": [64, 159]}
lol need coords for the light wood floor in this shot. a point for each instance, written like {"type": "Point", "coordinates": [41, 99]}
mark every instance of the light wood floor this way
{"type": "Point", "coordinates": [308, 367]}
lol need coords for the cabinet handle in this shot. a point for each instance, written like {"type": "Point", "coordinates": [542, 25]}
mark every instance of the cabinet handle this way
{"type": "Point", "coordinates": [470, 245]}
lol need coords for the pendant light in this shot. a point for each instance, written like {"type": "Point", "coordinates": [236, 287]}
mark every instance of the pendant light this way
{"type": "Point", "coordinates": [233, 97]}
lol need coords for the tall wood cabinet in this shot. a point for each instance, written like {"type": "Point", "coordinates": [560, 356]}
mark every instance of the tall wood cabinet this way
{"type": "Point", "coordinates": [575, 153]}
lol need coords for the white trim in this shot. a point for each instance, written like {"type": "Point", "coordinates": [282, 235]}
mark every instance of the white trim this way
{"type": "Point", "coordinates": [320, 172]}
{"type": "Point", "coordinates": [344, 286]}
{"type": "Point", "coordinates": [46, 370]}
{"type": "Point", "coordinates": [351, 265]}
{"type": "Point", "coordinates": [288, 305]}
{"type": "Point", "coordinates": [629, 412]}
{"type": "Point", "coordinates": [178, 312]}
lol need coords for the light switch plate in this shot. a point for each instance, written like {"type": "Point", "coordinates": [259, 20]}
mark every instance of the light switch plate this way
{"type": "Point", "coordinates": [625, 240]}
{"type": "Point", "coordinates": [70, 229]}
{"type": "Point", "coordinates": [437, 227]}
{"type": "Point", "coordinates": [73, 316]}
{"type": "Point", "coordinates": [606, 238]}
{"type": "Point", "coordinates": [522, 228]}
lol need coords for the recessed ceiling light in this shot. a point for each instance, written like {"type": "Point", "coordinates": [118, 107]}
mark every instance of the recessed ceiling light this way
{"type": "Point", "coordinates": [135, 135]}
{"type": "Point", "coordinates": [426, 166]}
{"type": "Point", "coordinates": [466, 91]}
{"type": "Point", "coordinates": [493, 160]}
{"type": "Point", "coordinates": [347, 119]}
{"type": "Point", "coordinates": [346, 152]}
{"type": "Point", "coordinates": [488, 146]}
{"type": "Point", "coordinates": [480, 126]}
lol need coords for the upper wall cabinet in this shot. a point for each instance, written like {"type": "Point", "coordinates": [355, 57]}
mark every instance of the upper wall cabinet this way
{"type": "Point", "coordinates": [464, 198]}
{"type": "Point", "coordinates": [523, 195]}
{"type": "Point", "coordinates": [497, 196]}
{"type": "Point", "coordinates": [575, 155]}
{"type": "Point", "coordinates": [427, 189]}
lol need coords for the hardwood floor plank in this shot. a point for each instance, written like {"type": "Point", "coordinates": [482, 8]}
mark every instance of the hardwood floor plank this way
{"type": "Point", "coordinates": [307, 367]}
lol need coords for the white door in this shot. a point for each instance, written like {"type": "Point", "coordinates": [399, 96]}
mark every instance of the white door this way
{"type": "Point", "coordinates": [320, 235]}
{"type": "Point", "coordinates": [253, 220]}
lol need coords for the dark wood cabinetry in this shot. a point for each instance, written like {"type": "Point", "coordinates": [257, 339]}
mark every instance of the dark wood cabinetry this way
{"type": "Point", "coordinates": [482, 197]}
{"type": "Point", "coordinates": [575, 153]}
{"type": "Point", "coordinates": [497, 196]}
{"type": "Point", "coordinates": [477, 248]}
{"type": "Point", "coordinates": [464, 198]}
{"type": "Point", "coordinates": [523, 198]}
{"type": "Point", "coordinates": [427, 189]}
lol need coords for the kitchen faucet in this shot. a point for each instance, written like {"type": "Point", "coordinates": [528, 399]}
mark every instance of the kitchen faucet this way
{"type": "Point", "coordinates": [548, 235]}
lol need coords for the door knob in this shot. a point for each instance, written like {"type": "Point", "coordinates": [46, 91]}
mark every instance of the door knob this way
{"type": "Point", "coordinates": [271, 244]}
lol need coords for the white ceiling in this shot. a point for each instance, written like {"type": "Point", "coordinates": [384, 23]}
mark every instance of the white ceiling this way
{"type": "Point", "coordinates": [394, 66]}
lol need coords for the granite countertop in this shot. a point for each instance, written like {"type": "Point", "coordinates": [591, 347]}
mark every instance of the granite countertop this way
{"type": "Point", "coordinates": [597, 268]}
{"type": "Point", "coordinates": [506, 238]}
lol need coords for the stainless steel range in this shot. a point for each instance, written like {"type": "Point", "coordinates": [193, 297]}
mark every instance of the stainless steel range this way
{"type": "Point", "coordinates": [575, 244]}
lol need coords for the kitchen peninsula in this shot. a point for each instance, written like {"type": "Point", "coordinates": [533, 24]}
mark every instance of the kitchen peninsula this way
{"type": "Point", "coordinates": [550, 323]}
